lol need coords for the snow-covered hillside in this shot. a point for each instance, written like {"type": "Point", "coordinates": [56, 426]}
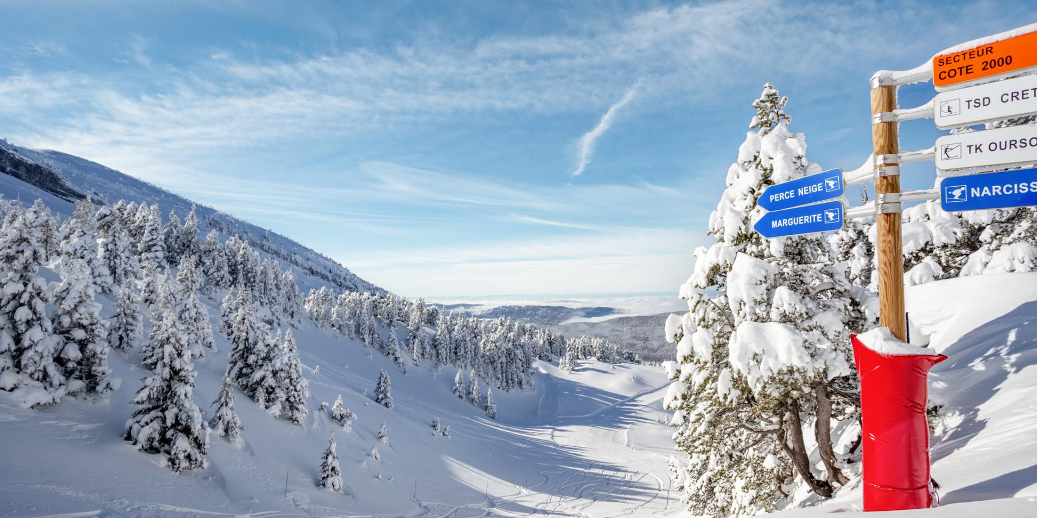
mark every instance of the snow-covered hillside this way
{"type": "Point", "coordinates": [589, 441]}
{"type": "Point", "coordinates": [109, 186]}
{"type": "Point", "coordinates": [984, 451]}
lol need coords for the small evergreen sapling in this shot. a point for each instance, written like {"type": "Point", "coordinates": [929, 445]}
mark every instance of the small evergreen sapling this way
{"type": "Point", "coordinates": [342, 415]}
{"type": "Point", "coordinates": [225, 422]}
{"type": "Point", "coordinates": [474, 394]}
{"type": "Point", "coordinates": [330, 474]}
{"type": "Point", "coordinates": [383, 433]}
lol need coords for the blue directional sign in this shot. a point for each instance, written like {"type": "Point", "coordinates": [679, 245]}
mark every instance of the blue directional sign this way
{"type": "Point", "coordinates": [809, 189]}
{"type": "Point", "coordinates": [820, 217]}
{"type": "Point", "coordinates": [990, 191]}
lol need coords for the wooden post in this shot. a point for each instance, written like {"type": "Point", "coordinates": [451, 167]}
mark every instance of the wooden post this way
{"type": "Point", "coordinates": [890, 240]}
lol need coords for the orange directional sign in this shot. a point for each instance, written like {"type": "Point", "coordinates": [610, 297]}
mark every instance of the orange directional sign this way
{"type": "Point", "coordinates": [987, 60]}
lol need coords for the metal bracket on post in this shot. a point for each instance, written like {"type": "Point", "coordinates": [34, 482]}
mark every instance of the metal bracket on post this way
{"type": "Point", "coordinates": [887, 203]}
{"type": "Point", "coordinates": [879, 118]}
{"type": "Point", "coordinates": [889, 170]}
{"type": "Point", "coordinates": [886, 160]}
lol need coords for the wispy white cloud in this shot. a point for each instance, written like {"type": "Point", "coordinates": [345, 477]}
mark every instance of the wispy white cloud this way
{"type": "Point", "coordinates": [590, 139]}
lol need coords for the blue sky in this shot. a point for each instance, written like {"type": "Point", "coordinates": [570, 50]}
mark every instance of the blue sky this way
{"type": "Point", "coordinates": [465, 147]}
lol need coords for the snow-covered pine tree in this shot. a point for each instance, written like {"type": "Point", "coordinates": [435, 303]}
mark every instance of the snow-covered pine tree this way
{"type": "Point", "coordinates": [172, 236]}
{"type": "Point", "coordinates": [27, 345]}
{"type": "Point", "coordinates": [250, 358]}
{"type": "Point", "coordinates": [490, 407]}
{"type": "Point", "coordinates": [81, 333]}
{"type": "Point", "coordinates": [225, 422]}
{"type": "Point", "coordinates": [127, 324]}
{"type": "Point", "coordinates": [392, 348]}
{"type": "Point", "coordinates": [115, 248]}
{"type": "Point", "coordinates": [288, 372]}
{"type": "Point", "coordinates": [474, 394]}
{"type": "Point", "coordinates": [418, 346]}
{"type": "Point", "coordinates": [150, 280]}
{"type": "Point", "coordinates": [152, 246]}
{"type": "Point", "coordinates": [229, 309]}
{"type": "Point", "coordinates": [189, 237]}
{"type": "Point", "coordinates": [47, 226]}
{"type": "Point", "coordinates": [167, 421]}
{"type": "Point", "coordinates": [442, 344]}
{"type": "Point", "coordinates": [214, 262]}
{"type": "Point", "coordinates": [191, 313]}
{"type": "Point", "coordinates": [330, 474]}
{"type": "Point", "coordinates": [383, 390]}
{"type": "Point", "coordinates": [437, 427]}
{"type": "Point", "coordinates": [79, 241]}
{"type": "Point", "coordinates": [742, 422]}
{"type": "Point", "coordinates": [459, 388]}
{"type": "Point", "coordinates": [383, 433]}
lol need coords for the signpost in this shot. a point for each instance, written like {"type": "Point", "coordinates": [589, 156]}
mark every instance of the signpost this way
{"type": "Point", "coordinates": [1012, 145]}
{"type": "Point", "coordinates": [984, 103]}
{"type": "Point", "coordinates": [809, 189]}
{"type": "Point", "coordinates": [990, 191]}
{"type": "Point", "coordinates": [820, 217]}
{"type": "Point", "coordinates": [984, 61]}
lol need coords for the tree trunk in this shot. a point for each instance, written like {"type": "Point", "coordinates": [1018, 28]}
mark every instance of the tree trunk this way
{"type": "Point", "coordinates": [823, 434]}
{"type": "Point", "coordinates": [798, 453]}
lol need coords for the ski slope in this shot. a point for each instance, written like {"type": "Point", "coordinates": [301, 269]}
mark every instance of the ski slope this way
{"type": "Point", "coordinates": [589, 442]}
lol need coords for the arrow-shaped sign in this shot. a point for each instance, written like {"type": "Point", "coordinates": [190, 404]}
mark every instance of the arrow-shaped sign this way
{"type": "Point", "coordinates": [820, 217]}
{"type": "Point", "coordinates": [989, 191]}
{"type": "Point", "coordinates": [809, 189]}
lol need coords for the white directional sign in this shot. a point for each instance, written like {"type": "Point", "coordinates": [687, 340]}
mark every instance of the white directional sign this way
{"type": "Point", "coordinates": [1001, 100]}
{"type": "Point", "coordinates": [1002, 146]}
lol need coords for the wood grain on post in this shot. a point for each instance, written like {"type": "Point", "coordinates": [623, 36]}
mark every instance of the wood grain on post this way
{"type": "Point", "coordinates": [890, 246]}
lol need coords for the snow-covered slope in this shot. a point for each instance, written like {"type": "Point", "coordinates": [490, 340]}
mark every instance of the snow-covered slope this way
{"type": "Point", "coordinates": [984, 452]}
{"type": "Point", "coordinates": [110, 186]}
{"type": "Point", "coordinates": [587, 441]}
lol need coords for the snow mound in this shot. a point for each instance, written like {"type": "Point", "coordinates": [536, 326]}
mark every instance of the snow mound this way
{"type": "Point", "coordinates": [882, 341]}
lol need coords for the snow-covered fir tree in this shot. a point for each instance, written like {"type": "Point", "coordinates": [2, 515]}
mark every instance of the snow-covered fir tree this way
{"type": "Point", "coordinates": [172, 237]}
{"type": "Point", "coordinates": [330, 474]}
{"type": "Point", "coordinates": [392, 348]}
{"type": "Point", "coordinates": [214, 261]}
{"type": "Point", "coordinates": [767, 357]}
{"type": "Point", "coordinates": [151, 247]}
{"type": "Point", "coordinates": [192, 314]}
{"type": "Point", "coordinates": [383, 390]}
{"type": "Point", "coordinates": [490, 407]}
{"type": "Point", "coordinates": [437, 427]}
{"type": "Point", "coordinates": [167, 422]}
{"type": "Point", "coordinates": [81, 333]}
{"type": "Point", "coordinates": [47, 226]}
{"type": "Point", "coordinates": [459, 387]}
{"type": "Point", "coordinates": [294, 388]}
{"type": "Point", "coordinates": [126, 323]}
{"type": "Point", "coordinates": [225, 422]}
{"type": "Point", "coordinates": [115, 248]}
{"type": "Point", "coordinates": [189, 235]}
{"type": "Point", "coordinates": [27, 344]}
{"type": "Point", "coordinates": [383, 433]}
{"type": "Point", "coordinates": [474, 394]}
{"type": "Point", "coordinates": [150, 280]}
{"type": "Point", "coordinates": [79, 242]}
{"type": "Point", "coordinates": [251, 355]}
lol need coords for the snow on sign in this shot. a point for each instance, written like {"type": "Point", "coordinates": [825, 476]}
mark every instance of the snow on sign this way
{"type": "Point", "coordinates": [809, 189]}
{"type": "Point", "coordinates": [1011, 145]}
{"type": "Point", "coordinates": [990, 191]}
{"type": "Point", "coordinates": [821, 217]}
{"type": "Point", "coordinates": [988, 102]}
{"type": "Point", "coordinates": [985, 61]}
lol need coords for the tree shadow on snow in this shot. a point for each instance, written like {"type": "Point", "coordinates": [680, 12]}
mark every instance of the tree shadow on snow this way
{"type": "Point", "coordinates": [1004, 486]}
{"type": "Point", "coordinates": [979, 362]}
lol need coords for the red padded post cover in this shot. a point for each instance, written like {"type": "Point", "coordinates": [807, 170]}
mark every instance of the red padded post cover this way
{"type": "Point", "coordinates": [895, 434]}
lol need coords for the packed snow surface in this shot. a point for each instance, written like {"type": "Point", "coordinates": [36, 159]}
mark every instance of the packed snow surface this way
{"type": "Point", "coordinates": [882, 341]}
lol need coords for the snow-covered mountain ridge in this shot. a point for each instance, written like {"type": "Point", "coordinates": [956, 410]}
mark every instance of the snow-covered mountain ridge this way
{"type": "Point", "coordinates": [109, 186]}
